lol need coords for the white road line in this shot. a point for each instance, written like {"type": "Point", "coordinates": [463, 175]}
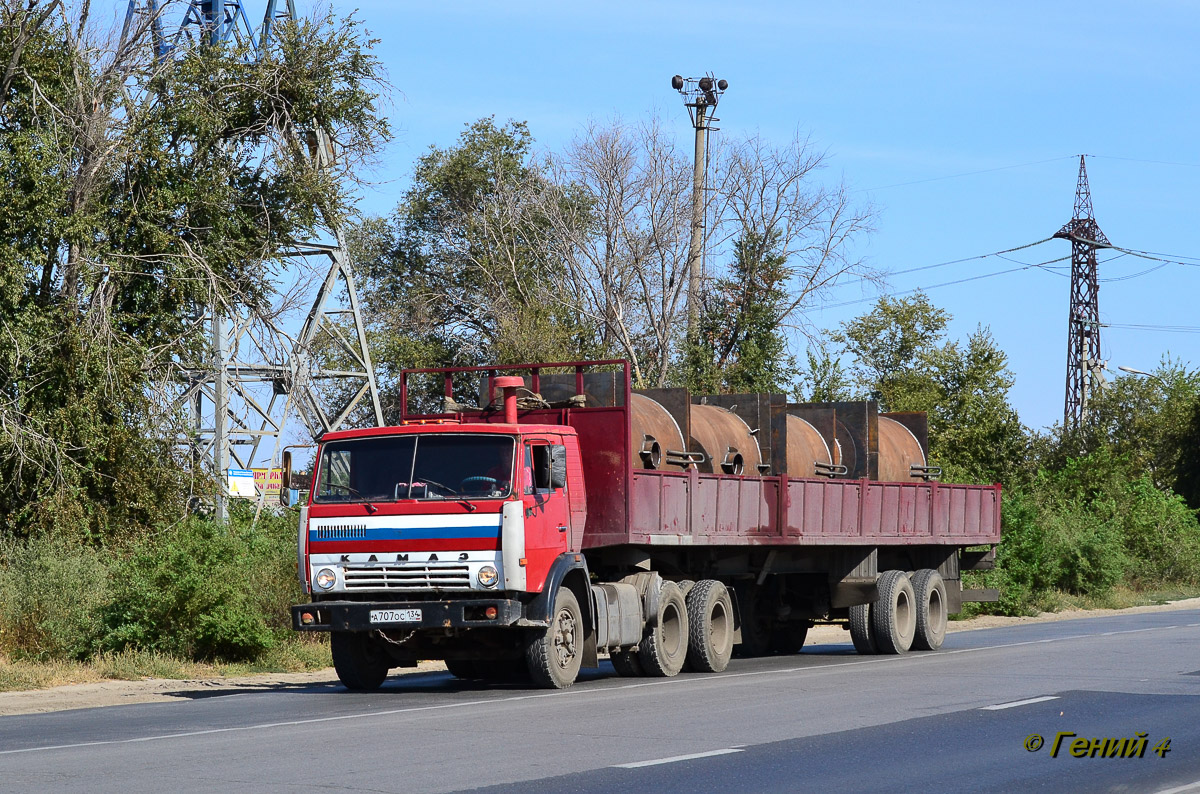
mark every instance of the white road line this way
{"type": "Point", "coordinates": [1186, 788]}
{"type": "Point", "coordinates": [1016, 703]}
{"type": "Point", "coordinates": [673, 759]}
{"type": "Point", "coordinates": [907, 659]}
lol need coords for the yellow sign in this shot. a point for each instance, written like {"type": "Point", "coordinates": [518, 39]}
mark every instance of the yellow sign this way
{"type": "Point", "coordinates": [270, 479]}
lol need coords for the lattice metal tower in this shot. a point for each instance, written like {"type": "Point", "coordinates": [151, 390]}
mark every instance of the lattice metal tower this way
{"type": "Point", "coordinates": [256, 375]}
{"type": "Point", "coordinates": [1084, 364]}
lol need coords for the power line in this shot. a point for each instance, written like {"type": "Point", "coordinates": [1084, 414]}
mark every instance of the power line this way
{"type": "Point", "coordinates": [1139, 160]}
{"type": "Point", "coordinates": [1040, 265]}
{"type": "Point", "coordinates": [965, 173]}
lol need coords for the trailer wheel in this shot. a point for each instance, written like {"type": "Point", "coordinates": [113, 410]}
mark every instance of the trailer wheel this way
{"type": "Point", "coordinates": [756, 626]}
{"type": "Point", "coordinates": [788, 638]}
{"type": "Point", "coordinates": [710, 626]}
{"type": "Point", "coordinates": [929, 593]}
{"type": "Point", "coordinates": [894, 615]}
{"type": "Point", "coordinates": [861, 633]}
{"type": "Point", "coordinates": [664, 648]}
{"type": "Point", "coordinates": [626, 663]}
{"type": "Point", "coordinates": [360, 663]}
{"type": "Point", "coordinates": [553, 654]}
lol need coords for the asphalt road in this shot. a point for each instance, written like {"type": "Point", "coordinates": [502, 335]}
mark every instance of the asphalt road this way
{"type": "Point", "coordinates": [825, 719]}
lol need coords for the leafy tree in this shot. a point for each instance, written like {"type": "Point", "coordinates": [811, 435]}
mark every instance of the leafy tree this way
{"type": "Point", "coordinates": [901, 358]}
{"type": "Point", "coordinates": [138, 195]}
{"type": "Point", "coordinates": [462, 273]}
{"type": "Point", "coordinates": [825, 379]}
{"type": "Point", "coordinates": [740, 346]}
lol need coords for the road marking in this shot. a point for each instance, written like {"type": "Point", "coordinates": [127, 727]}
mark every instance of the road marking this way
{"type": "Point", "coordinates": [906, 660]}
{"type": "Point", "coordinates": [1016, 703]}
{"type": "Point", "coordinates": [673, 759]}
{"type": "Point", "coordinates": [1186, 787]}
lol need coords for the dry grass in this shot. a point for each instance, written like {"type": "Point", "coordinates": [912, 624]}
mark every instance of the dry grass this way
{"type": "Point", "coordinates": [304, 653]}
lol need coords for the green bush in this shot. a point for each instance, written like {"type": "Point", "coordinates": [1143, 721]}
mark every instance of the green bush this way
{"type": "Point", "coordinates": [1087, 528]}
{"type": "Point", "coordinates": [203, 591]}
{"type": "Point", "coordinates": [52, 594]}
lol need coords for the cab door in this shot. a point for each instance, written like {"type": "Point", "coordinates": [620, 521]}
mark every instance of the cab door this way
{"type": "Point", "coordinates": [544, 496]}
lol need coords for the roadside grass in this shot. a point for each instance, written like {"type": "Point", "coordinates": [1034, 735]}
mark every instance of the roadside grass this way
{"type": "Point", "coordinates": [297, 655]}
{"type": "Point", "coordinates": [1118, 597]}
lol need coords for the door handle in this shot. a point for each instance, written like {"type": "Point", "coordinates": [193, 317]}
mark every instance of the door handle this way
{"type": "Point", "coordinates": [562, 528]}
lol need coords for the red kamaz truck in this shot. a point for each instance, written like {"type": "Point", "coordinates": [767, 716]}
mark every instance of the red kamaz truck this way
{"type": "Point", "coordinates": [545, 515]}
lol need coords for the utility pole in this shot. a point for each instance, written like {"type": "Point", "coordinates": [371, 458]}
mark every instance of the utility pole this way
{"type": "Point", "coordinates": [1084, 364]}
{"type": "Point", "coordinates": [700, 97]}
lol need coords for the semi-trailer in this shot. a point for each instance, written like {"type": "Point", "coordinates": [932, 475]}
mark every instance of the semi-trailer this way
{"type": "Point", "coordinates": [542, 516]}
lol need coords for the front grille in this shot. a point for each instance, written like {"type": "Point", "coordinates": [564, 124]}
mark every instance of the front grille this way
{"type": "Point", "coordinates": [408, 576]}
{"type": "Point", "coordinates": [342, 532]}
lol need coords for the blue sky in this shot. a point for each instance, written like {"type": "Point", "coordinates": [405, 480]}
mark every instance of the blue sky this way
{"type": "Point", "coordinates": [912, 101]}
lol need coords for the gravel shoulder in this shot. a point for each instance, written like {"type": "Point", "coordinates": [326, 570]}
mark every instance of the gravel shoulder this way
{"type": "Point", "coordinates": [157, 690]}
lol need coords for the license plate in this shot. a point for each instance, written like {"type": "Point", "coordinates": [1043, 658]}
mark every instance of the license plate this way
{"type": "Point", "coordinates": [395, 616]}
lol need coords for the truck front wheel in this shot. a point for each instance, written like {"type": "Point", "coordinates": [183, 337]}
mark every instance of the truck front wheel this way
{"type": "Point", "coordinates": [360, 663]}
{"type": "Point", "coordinates": [554, 654]}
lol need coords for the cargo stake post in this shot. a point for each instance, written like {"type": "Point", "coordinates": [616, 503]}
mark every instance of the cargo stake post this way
{"type": "Point", "coordinates": [549, 514]}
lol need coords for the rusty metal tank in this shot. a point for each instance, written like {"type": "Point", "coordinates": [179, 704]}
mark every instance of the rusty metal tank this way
{"type": "Point", "coordinates": [728, 442]}
{"type": "Point", "coordinates": [898, 450]}
{"type": "Point", "coordinates": [653, 433]}
{"type": "Point", "coordinates": [806, 449]}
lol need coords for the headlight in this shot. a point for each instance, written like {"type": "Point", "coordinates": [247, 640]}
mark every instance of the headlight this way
{"type": "Point", "coordinates": [487, 576]}
{"type": "Point", "coordinates": [326, 578]}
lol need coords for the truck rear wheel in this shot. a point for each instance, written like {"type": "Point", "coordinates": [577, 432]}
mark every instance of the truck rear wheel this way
{"type": "Point", "coordinates": [929, 594]}
{"type": "Point", "coordinates": [756, 623]}
{"type": "Point", "coordinates": [710, 626]}
{"type": "Point", "coordinates": [894, 615]}
{"type": "Point", "coordinates": [360, 663]}
{"type": "Point", "coordinates": [626, 663]}
{"type": "Point", "coordinates": [788, 638]}
{"type": "Point", "coordinates": [664, 648]}
{"type": "Point", "coordinates": [861, 633]}
{"type": "Point", "coordinates": [553, 654]}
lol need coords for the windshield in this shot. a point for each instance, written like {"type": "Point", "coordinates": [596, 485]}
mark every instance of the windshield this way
{"type": "Point", "coordinates": [434, 466]}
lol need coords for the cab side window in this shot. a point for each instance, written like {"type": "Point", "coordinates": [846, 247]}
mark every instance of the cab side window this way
{"type": "Point", "coordinates": [538, 456]}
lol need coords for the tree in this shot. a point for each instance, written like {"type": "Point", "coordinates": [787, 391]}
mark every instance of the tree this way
{"type": "Point", "coordinates": [901, 359]}
{"type": "Point", "coordinates": [740, 346]}
{"type": "Point", "coordinates": [139, 194]}
{"type": "Point", "coordinates": [825, 380]}
{"type": "Point", "coordinates": [462, 273]}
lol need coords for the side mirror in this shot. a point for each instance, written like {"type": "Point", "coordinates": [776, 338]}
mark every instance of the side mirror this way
{"type": "Point", "coordinates": [285, 477]}
{"type": "Point", "coordinates": [558, 466]}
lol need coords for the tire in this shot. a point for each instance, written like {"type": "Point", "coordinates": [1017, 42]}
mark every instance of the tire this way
{"type": "Point", "coordinates": [894, 615]}
{"type": "Point", "coordinates": [756, 627]}
{"type": "Point", "coordinates": [553, 654]}
{"type": "Point", "coordinates": [465, 669]}
{"type": "Point", "coordinates": [685, 586]}
{"type": "Point", "coordinates": [664, 647]}
{"type": "Point", "coordinates": [360, 663]}
{"type": "Point", "coordinates": [626, 663]}
{"type": "Point", "coordinates": [929, 594]}
{"type": "Point", "coordinates": [788, 638]}
{"type": "Point", "coordinates": [710, 627]}
{"type": "Point", "coordinates": [861, 633]}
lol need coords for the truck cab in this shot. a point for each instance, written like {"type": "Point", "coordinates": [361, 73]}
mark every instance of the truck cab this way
{"type": "Point", "coordinates": [427, 540]}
